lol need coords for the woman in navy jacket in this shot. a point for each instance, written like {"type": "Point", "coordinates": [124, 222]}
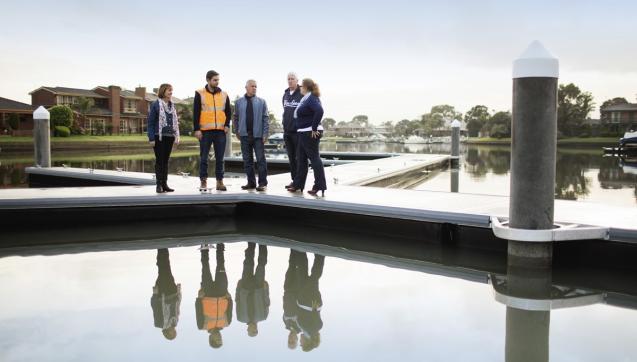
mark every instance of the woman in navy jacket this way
{"type": "Point", "coordinates": [307, 120]}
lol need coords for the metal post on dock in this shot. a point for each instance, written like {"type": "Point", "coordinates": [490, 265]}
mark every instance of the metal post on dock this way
{"type": "Point", "coordinates": [533, 147]}
{"type": "Point", "coordinates": [455, 143]}
{"type": "Point", "coordinates": [42, 137]}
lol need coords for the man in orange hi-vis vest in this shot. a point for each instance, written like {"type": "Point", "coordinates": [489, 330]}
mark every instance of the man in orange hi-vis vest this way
{"type": "Point", "coordinates": [211, 121]}
{"type": "Point", "coordinates": [213, 306]}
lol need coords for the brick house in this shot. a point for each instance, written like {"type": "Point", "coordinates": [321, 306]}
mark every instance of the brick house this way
{"type": "Point", "coordinates": [619, 118]}
{"type": "Point", "coordinates": [115, 110]}
{"type": "Point", "coordinates": [24, 114]}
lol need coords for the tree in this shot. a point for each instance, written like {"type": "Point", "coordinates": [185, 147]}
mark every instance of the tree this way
{"type": "Point", "coordinates": [573, 106]}
{"type": "Point", "coordinates": [612, 102]}
{"type": "Point", "coordinates": [184, 111]}
{"type": "Point", "coordinates": [437, 116]}
{"type": "Point", "coordinates": [61, 116]}
{"type": "Point", "coordinates": [362, 119]}
{"type": "Point", "coordinates": [83, 106]}
{"type": "Point", "coordinates": [499, 125]}
{"type": "Point", "coordinates": [406, 127]}
{"type": "Point", "coordinates": [14, 121]}
{"type": "Point", "coordinates": [476, 118]}
{"type": "Point", "coordinates": [328, 123]}
{"type": "Point", "coordinates": [389, 126]}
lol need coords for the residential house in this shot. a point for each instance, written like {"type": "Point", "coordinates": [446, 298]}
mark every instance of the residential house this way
{"type": "Point", "coordinates": [22, 111]}
{"type": "Point", "coordinates": [619, 118]}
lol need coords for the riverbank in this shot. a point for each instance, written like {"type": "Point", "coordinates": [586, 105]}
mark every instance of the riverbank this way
{"type": "Point", "coordinates": [574, 141]}
{"type": "Point", "coordinates": [74, 143]}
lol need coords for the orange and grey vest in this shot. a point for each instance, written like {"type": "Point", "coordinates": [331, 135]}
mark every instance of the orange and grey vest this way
{"type": "Point", "coordinates": [214, 311]}
{"type": "Point", "coordinates": [213, 110]}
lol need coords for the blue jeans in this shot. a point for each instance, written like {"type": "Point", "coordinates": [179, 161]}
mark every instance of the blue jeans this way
{"type": "Point", "coordinates": [208, 139]}
{"type": "Point", "coordinates": [248, 146]}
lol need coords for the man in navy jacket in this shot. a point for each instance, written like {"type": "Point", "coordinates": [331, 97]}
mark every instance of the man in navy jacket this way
{"type": "Point", "coordinates": [291, 98]}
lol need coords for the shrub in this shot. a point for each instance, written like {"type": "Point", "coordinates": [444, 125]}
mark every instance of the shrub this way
{"type": "Point", "coordinates": [14, 121]}
{"type": "Point", "coordinates": [62, 131]}
{"type": "Point", "coordinates": [61, 116]}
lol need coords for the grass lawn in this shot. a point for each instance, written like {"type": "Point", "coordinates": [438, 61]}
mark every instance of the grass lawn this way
{"type": "Point", "coordinates": [100, 139]}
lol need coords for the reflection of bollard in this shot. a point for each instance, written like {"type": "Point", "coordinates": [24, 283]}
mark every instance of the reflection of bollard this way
{"type": "Point", "coordinates": [528, 331]}
{"type": "Point", "coordinates": [533, 146]}
{"type": "Point", "coordinates": [455, 143]}
{"type": "Point", "coordinates": [42, 137]}
{"type": "Point", "coordinates": [228, 152]}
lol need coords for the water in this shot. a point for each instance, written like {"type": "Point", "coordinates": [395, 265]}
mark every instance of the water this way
{"type": "Point", "coordinates": [581, 174]}
{"type": "Point", "coordinates": [97, 306]}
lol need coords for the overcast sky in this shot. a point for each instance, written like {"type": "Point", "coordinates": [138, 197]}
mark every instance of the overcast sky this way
{"type": "Point", "coordinates": [389, 60]}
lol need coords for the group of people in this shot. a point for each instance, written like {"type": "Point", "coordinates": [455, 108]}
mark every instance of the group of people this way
{"type": "Point", "coordinates": [212, 117]}
{"type": "Point", "coordinates": [302, 300]}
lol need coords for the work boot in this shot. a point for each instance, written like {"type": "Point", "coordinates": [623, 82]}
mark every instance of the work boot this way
{"type": "Point", "coordinates": [204, 184]}
{"type": "Point", "coordinates": [221, 186]}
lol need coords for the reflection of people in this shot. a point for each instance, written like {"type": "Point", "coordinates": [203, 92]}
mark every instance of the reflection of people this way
{"type": "Point", "coordinates": [290, 294]}
{"type": "Point", "coordinates": [309, 301]}
{"type": "Point", "coordinates": [251, 126]}
{"type": "Point", "coordinates": [166, 297]}
{"type": "Point", "coordinates": [213, 306]}
{"type": "Point", "coordinates": [253, 294]}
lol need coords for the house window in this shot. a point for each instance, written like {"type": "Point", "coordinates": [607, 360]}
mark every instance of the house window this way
{"type": "Point", "coordinates": [130, 106]}
{"type": "Point", "coordinates": [123, 126]}
{"type": "Point", "coordinates": [615, 117]}
{"type": "Point", "coordinates": [95, 126]}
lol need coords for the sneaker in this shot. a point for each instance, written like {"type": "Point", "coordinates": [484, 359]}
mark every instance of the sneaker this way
{"type": "Point", "coordinates": [262, 188]}
{"type": "Point", "coordinates": [248, 187]}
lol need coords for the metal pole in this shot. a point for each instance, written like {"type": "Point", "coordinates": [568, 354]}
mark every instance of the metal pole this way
{"type": "Point", "coordinates": [455, 179]}
{"type": "Point", "coordinates": [455, 142]}
{"type": "Point", "coordinates": [533, 147]}
{"type": "Point", "coordinates": [42, 137]}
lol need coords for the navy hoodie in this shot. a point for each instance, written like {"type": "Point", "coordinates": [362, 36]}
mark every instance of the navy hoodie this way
{"type": "Point", "coordinates": [290, 102]}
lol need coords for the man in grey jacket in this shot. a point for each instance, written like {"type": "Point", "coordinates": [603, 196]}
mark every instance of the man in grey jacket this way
{"type": "Point", "coordinates": [251, 123]}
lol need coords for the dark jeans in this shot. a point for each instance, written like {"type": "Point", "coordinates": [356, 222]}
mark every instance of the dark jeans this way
{"type": "Point", "coordinates": [291, 143]}
{"type": "Point", "coordinates": [165, 282]}
{"type": "Point", "coordinates": [219, 286]}
{"type": "Point", "coordinates": [162, 150]}
{"type": "Point", "coordinates": [208, 139]}
{"type": "Point", "coordinates": [248, 147]}
{"type": "Point", "coordinates": [308, 148]}
{"type": "Point", "coordinates": [251, 278]}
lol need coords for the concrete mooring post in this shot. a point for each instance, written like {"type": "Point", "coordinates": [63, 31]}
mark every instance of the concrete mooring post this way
{"type": "Point", "coordinates": [42, 137]}
{"type": "Point", "coordinates": [455, 143]}
{"type": "Point", "coordinates": [533, 147]}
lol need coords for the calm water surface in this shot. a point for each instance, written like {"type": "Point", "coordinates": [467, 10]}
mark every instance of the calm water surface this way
{"type": "Point", "coordinates": [98, 306]}
{"type": "Point", "coordinates": [581, 174]}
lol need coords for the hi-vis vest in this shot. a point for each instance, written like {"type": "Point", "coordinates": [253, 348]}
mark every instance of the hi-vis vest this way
{"type": "Point", "coordinates": [214, 312]}
{"type": "Point", "coordinates": [213, 107]}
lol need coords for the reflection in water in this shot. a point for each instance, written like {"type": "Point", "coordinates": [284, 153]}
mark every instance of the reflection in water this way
{"type": "Point", "coordinates": [166, 297]}
{"type": "Point", "coordinates": [308, 299]}
{"type": "Point", "coordinates": [213, 305]}
{"type": "Point", "coordinates": [253, 292]}
{"type": "Point", "coordinates": [487, 167]}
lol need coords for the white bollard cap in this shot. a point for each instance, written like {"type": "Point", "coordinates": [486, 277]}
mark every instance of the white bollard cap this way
{"type": "Point", "coordinates": [536, 62]}
{"type": "Point", "coordinates": [455, 124]}
{"type": "Point", "coordinates": [41, 113]}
